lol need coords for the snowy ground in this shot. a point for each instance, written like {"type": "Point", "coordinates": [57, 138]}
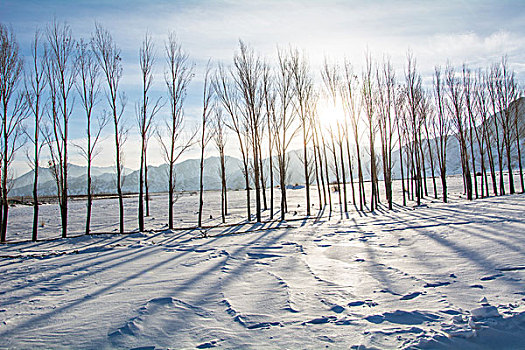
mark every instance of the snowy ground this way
{"type": "Point", "coordinates": [105, 217]}
{"type": "Point", "coordinates": [436, 276]}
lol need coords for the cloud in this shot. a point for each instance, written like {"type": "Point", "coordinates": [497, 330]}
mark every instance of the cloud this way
{"type": "Point", "coordinates": [460, 31]}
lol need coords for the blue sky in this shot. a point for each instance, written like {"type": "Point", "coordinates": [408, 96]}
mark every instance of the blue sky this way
{"type": "Point", "coordinates": [476, 32]}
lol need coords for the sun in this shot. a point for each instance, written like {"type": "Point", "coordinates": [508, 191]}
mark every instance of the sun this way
{"type": "Point", "coordinates": [330, 113]}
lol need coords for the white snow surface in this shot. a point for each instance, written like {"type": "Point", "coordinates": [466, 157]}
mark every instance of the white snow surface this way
{"type": "Point", "coordinates": [436, 276]}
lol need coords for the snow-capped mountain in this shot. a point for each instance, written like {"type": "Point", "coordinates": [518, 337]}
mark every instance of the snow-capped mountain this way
{"type": "Point", "coordinates": [187, 172]}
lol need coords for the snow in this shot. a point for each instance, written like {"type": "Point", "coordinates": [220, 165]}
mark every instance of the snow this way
{"type": "Point", "coordinates": [436, 276]}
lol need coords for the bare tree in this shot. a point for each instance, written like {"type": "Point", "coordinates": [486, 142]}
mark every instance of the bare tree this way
{"type": "Point", "coordinates": [248, 76]}
{"type": "Point", "coordinates": [507, 93]}
{"type": "Point", "coordinates": [332, 84]}
{"type": "Point", "coordinates": [109, 60]}
{"type": "Point", "coordinates": [350, 98]}
{"type": "Point", "coordinates": [178, 75]}
{"type": "Point", "coordinates": [261, 163]}
{"type": "Point", "coordinates": [283, 121]}
{"type": "Point", "coordinates": [441, 129]}
{"type": "Point", "coordinates": [61, 75]}
{"type": "Point", "coordinates": [145, 119]}
{"type": "Point", "coordinates": [220, 142]}
{"type": "Point", "coordinates": [318, 165]}
{"type": "Point", "coordinates": [494, 75]}
{"type": "Point", "coordinates": [333, 150]}
{"type": "Point", "coordinates": [206, 134]}
{"type": "Point", "coordinates": [399, 113]}
{"type": "Point", "coordinates": [88, 88]}
{"type": "Point", "coordinates": [322, 162]}
{"type": "Point", "coordinates": [476, 118]}
{"type": "Point", "coordinates": [304, 95]}
{"type": "Point", "coordinates": [229, 98]}
{"type": "Point", "coordinates": [368, 98]}
{"type": "Point", "coordinates": [517, 131]}
{"type": "Point", "coordinates": [386, 83]}
{"type": "Point", "coordinates": [483, 105]}
{"type": "Point", "coordinates": [35, 83]}
{"type": "Point", "coordinates": [323, 143]}
{"type": "Point", "coordinates": [269, 103]}
{"type": "Point", "coordinates": [427, 115]}
{"type": "Point", "coordinates": [460, 121]}
{"type": "Point", "coordinates": [468, 91]}
{"type": "Point", "coordinates": [414, 122]}
{"type": "Point", "coordinates": [13, 113]}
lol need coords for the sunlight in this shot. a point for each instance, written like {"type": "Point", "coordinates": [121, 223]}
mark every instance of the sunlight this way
{"type": "Point", "coordinates": [330, 113]}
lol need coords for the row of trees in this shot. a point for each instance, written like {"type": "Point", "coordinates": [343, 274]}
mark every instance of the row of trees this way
{"type": "Point", "coordinates": [266, 105]}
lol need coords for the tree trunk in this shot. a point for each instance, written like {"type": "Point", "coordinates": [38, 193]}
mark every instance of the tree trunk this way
{"type": "Point", "coordinates": [224, 199]}
{"type": "Point", "coordinates": [343, 174]}
{"type": "Point", "coordinates": [146, 184]}
{"type": "Point", "coordinates": [306, 172]}
{"type": "Point", "coordinates": [170, 195]}
{"type": "Point", "coordinates": [247, 186]}
{"type": "Point", "coordinates": [141, 188]}
{"type": "Point", "coordinates": [327, 175]}
{"type": "Point", "coordinates": [201, 184]}
{"type": "Point", "coordinates": [263, 182]}
{"type": "Point", "coordinates": [35, 191]}
{"type": "Point", "coordinates": [89, 199]}
{"type": "Point", "coordinates": [350, 169]}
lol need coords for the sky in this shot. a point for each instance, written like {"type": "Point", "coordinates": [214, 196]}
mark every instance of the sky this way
{"type": "Point", "coordinates": [474, 32]}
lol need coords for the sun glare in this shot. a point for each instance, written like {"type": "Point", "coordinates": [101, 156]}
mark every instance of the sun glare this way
{"type": "Point", "coordinates": [330, 113]}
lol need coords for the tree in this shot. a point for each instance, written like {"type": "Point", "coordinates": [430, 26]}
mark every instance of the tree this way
{"type": "Point", "coordinates": [229, 99]}
{"type": "Point", "coordinates": [177, 77]}
{"type": "Point", "coordinates": [441, 129]}
{"type": "Point", "coordinates": [247, 74]}
{"type": "Point", "coordinates": [475, 118]}
{"type": "Point", "coordinates": [206, 134]}
{"type": "Point", "coordinates": [386, 83]}
{"type": "Point", "coordinates": [483, 105]}
{"type": "Point", "coordinates": [269, 103]}
{"type": "Point", "coordinates": [507, 92]}
{"type": "Point", "coordinates": [399, 113]}
{"type": "Point", "coordinates": [517, 131]}
{"type": "Point", "coordinates": [368, 98]}
{"type": "Point", "coordinates": [35, 84]}
{"type": "Point", "coordinates": [332, 84]}
{"type": "Point", "coordinates": [414, 122]}
{"type": "Point", "coordinates": [145, 119]}
{"type": "Point", "coordinates": [460, 121]}
{"type": "Point", "coordinates": [333, 149]}
{"type": "Point", "coordinates": [427, 114]}
{"type": "Point", "coordinates": [220, 142]}
{"type": "Point", "coordinates": [494, 75]}
{"type": "Point", "coordinates": [304, 97]}
{"type": "Point", "coordinates": [283, 121]}
{"type": "Point", "coordinates": [13, 113]}
{"type": "Point", "coordinates": [350, 98]}
{"type": "Point", "coordinates": [469, 86]}
{"type": "Point", "coordinates": [319, 158]}
{"type": "Point", "coordinates": [61, 75]}
{"type": "Point", "coordinates": [109, 60]}
{"type": "Point", "coordinates": [88, 88]}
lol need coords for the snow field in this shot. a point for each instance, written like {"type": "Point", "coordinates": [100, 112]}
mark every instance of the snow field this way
{"type": "Point", "coordinates": [436, 276]}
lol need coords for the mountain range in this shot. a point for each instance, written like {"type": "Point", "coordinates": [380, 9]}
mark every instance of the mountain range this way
{"type": "Point", "coordinates": [187, 179]}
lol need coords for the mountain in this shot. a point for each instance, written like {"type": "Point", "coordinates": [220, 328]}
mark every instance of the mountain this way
{"type": "Point", "coordinates": [187, 172]}
{"type": "Point", "coordinates": [187, 177]}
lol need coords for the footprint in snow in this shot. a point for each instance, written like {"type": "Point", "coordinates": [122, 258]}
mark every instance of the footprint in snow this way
{"type": "Point", "coordinates": [436, 284]}
{"type": "Point", "coordinates": [411, 296]}
{"type": "Point", "coordinates": [491, 277]}
{"type": "Point", "coordinates": [479, 286]}
{"type": "Point", "coordinates": [207, 345]}
{"type": "Point", "coordinates": [262, 255]}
